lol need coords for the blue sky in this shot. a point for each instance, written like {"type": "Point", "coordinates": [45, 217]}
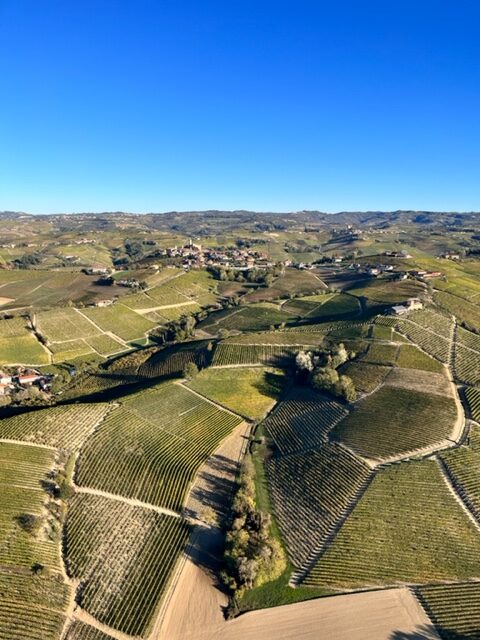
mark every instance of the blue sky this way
{"type": "Point", "coordinates": [154, 105]}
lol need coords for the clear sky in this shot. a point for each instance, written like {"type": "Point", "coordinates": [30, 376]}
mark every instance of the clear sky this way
{"type": "Point", "coordinates": [153, 105]}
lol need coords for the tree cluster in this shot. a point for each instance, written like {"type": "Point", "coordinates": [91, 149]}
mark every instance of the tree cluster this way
{"type": "Point", "coordinates": [319, 369]}
{"type": "Point", "coordinates": [252, 556]}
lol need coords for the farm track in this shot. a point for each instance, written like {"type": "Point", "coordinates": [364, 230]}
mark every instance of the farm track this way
{"type": "Point", "coordinates": [28, 444]}
{"type": "Point", "coordinates": [83, 616]}
{"type": "Point", "coordinates": [187, 303]}
{"type": "Point", "coordinates": [130, 501]}
{"type": "Point", "coordinates": [194, 600]}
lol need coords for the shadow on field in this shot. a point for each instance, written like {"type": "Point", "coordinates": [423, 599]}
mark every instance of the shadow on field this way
{"type": "Point", "coordinates": [213, 490]}
{"type": "Point", "coordinates": [429, 632]}
{"type": "Point", "coordinates": [213, 487]}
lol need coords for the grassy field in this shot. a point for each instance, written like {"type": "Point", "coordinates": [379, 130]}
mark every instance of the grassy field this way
{"type": "Point", "coordinates": [407, 528]}
{"type": "Point", "coordinates": [124, 556]}
{"type": "Point", "coordinates": [248, 391]}
{"type": "Point", "coordinates": [394, 421]}
{"type": "Point", "coordinates": [24, 349]}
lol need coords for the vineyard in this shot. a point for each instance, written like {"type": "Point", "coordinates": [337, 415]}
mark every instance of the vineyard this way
{"type": "Point", "coordinates": [172, 361]}
{"type": "Point", "coordinates": [467, 357]}
{"type": "Point", "coordinates": [31, 606]}
{"type": "Point", "coordinates": [279, 338]}
{"type": "Point", "coordinates": [27, 529]}
{"type": "Point", "coordinates": [151, 447]}
{"type": "Point", "coordinates": [473, 398]}
{"type": "Point", "coordinates": [463, 465]}
{"type": "Point", "coordinates": [64, 427]}
{"type": "Point", "coordinates": [410, 357]}
{"type": "Point", "coordinates": [59, 325]}
{"type": "Point", "coordinates": [466, 312]}
{"type": "Point", "coordinates": [395, 421]}
{"type": "Point", "coordinates": [81, 631]}
{"type": "Point", "coordinates": [309, 510]}
{"type": "Point", "coordinates": [276, 355]}
{"type": "Point", "coordinates": [124, 556]}
{"type": "Point", "coordinates": [383, 354]}
{"type": "Point", "coordinates": [406, 528]}
{"type": "Point", "coordinates": [105, 345]}
{"type": "Point", "coordinates": [434, 344]}
{"type": "Point", "coordinates": [251, 392]}
{"type": "Point", "coordinates": [14, 327]}
{"type": "Point", "coordinates": [365, 377]}
{"type": "Point", "coordinates": [303, 420]}
{"type": "Point", "coordinates": [454, 609]}
{"type": "Point", "coordinates": [120, 320]}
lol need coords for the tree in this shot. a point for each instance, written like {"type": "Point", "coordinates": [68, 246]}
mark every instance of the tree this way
{"type": "Point", "coordinates": [190, 370]}
{"type": "Point", "coordinates": [303, 361]}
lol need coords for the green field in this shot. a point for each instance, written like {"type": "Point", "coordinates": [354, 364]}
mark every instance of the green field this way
{"type": "Point", "coordinates": [24, 349]}
{"type": "Point", "coordinates": [120, 320]}
{"type": "Point", "coordinates": [248, 391]}
{"type": "Point", "coordinates": [394, 421]}
{"type": "Point", "coordinates": [407, 528]}
{"type": "Point", "coordinates": [410, 357]}
{"type": "Point", "coordinates": [59, 325]}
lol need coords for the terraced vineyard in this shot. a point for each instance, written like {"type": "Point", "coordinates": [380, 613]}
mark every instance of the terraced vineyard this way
{"type": "Point", "coordinates": [473, 398]}
{"type": "Point", "coordinates": [151, 447]}
{"type": "Point", "coordinates": [124, 556]}
{"type": "Point", "coordinates": [303, 420]}
{"type": "Point", "coordinates": [394, 421]}
{"type": "Point", "coordinates": [406, 528]}
{"type": "Point", "coordinates": [454, 609]}
{"type": "Point", "coordinates": [310, 492]}
{"type": "Point", "coordinates": [228, 354]}
{"type": "Point", "coordinates": [63, 427]}
{"type": "Point", "coordinates": [31, 606]}
{"type": "Point", "coordinates": [463, 465]}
